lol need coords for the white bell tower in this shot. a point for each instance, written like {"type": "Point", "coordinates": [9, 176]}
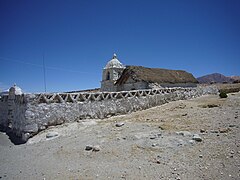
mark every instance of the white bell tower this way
{"type": "Point", "coordinates": [111, 72]}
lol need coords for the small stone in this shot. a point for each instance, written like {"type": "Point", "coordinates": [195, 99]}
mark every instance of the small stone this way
{"type": "Point", "coordinates": [119, 124]}
{"type": "Point", "coordinates": [178, 178]}
{"type": "Point", "coordinates": [214, 131]}
{"type": "Point", "coordinates": [96, 148]}
{"type": "Point", "coordinates": [160, 127]}
{"type": "Point", "coordinates": [191, 141]}
{"type": "Point", "coordinates": [223, 130]}
{"type": "Point", "coordinates": [197, 138]}
{"type": "Point", "coordinates": [202, 130]}
{"type": "Point", "coordinates": [154, 145]}
{"type": "Point", "coordinates": [232, 152]}
{"type": "Point", "coordinates": [153, 137]}
{"type": "Point", "coordinates": [200, 155]}
{"type": "Point", "coordinates": [88, 147]}
{"type": "Point", "coordinates": [51, 134]}
{"type": "Point", "coordinates": [184, 133]}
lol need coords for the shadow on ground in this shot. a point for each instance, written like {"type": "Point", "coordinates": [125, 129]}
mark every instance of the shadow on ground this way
{"type": "Point", "coordinates": [12, 137]}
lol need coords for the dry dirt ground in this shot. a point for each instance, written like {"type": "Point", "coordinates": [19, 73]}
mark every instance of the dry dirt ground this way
{"type": "Point", "coordinates": [152, 144]}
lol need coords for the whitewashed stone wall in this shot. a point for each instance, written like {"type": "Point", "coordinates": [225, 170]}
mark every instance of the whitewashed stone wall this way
{"type": "Point", "coordinates": [32, 113]}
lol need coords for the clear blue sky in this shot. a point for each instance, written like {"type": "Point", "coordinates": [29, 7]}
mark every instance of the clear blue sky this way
{"type": "Point", "coordinates": [78, 37]}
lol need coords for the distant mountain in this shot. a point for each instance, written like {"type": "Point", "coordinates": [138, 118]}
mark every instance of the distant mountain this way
{"type": "Point", "coordinates": [214, 78]}
{"type": "Point", "coordinates": [236, 79]}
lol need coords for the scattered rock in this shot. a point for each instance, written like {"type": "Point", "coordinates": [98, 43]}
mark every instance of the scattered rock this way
{"type": "Point", "coordinates": [154, 145]}
{"type": "Point", "coordinates": [202, 130]}
{"type": "Point", "coordinates": [191, 141]}
{"type": "Point", "coordinates": [153, 137]}
{"type": "Point", "coordinates": [119, 124]}
{"type": "Point", "coordinates": [197, 138]}
{"type": "Point", "coordinates": [160, 127]}
{"type": "Point", "coordinates": [200, 155]}
{"type": "Point", "coordinates": [96, 148]}
{"type": "Point", "coordinates": [224, 130]}
{"type": "Point", "coordinates": [212, 105]}
{"type": "Point", "coordinates": [184, 133]}
{"type": "Point", "coordinates": [180, 142]}
{"type": "Point", "coordinates": [158, 161]}
{"type": "Point", "coordinates": [181, 106]}
{"type": "Point", "coordinates": [51, 134]}
{"type": "Point", "coordinates": [214, 131]}
{"type": "Point", "coordinates": [88, 147]}
{"type": "Point", "coordinates": [184, 114]}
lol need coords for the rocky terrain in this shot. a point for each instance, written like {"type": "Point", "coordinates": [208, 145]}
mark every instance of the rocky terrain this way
{"type": "Point", "coordinates": [190, 139]}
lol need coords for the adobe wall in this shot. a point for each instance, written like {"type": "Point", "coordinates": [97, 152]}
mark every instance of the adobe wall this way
{"type": "Point", "coordinates": [131, 84]}
{"type": "Point", "coordinates": [28, 114]}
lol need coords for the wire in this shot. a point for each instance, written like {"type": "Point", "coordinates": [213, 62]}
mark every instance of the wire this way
{"type": "Point", "coordinates": [41, 66]}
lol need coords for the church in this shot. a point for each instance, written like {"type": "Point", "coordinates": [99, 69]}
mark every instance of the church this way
{"type": "Point", "coordinates": [117, 77]}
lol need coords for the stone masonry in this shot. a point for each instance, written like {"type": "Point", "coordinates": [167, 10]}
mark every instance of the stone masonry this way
{"type": "Point", "coordinates": [27, 114]}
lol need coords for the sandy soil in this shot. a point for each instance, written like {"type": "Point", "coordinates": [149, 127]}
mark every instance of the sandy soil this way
{"type": "Point", "coordinates": [152, 144]}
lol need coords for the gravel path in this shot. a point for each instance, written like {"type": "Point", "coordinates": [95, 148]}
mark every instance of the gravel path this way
{"type": "Point", "coordinates": [156, 143]}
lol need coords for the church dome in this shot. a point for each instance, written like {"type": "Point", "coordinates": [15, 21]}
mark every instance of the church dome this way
{"type": "Point", "coordinates": [17, 90]}
{"type": "Point", "coordinates": [114, 63]}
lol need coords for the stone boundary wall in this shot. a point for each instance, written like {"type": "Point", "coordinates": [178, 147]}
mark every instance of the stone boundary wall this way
{"type": "Point", "coordinates": [27, 114]}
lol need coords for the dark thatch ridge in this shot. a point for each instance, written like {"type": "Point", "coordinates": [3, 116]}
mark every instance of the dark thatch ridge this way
{"type": "Point", "coordinates": [155, 75]}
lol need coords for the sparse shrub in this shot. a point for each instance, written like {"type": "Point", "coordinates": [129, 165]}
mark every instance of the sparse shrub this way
{"type": "Point", "coordinates": [223, 95]}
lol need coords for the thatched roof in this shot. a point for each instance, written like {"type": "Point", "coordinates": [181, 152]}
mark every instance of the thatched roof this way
{"type": "Point", "coordinates": [155, 75]}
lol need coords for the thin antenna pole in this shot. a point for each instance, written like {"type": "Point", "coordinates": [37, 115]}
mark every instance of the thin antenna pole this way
{"type": "Point", "coordinates": [44, 74]}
